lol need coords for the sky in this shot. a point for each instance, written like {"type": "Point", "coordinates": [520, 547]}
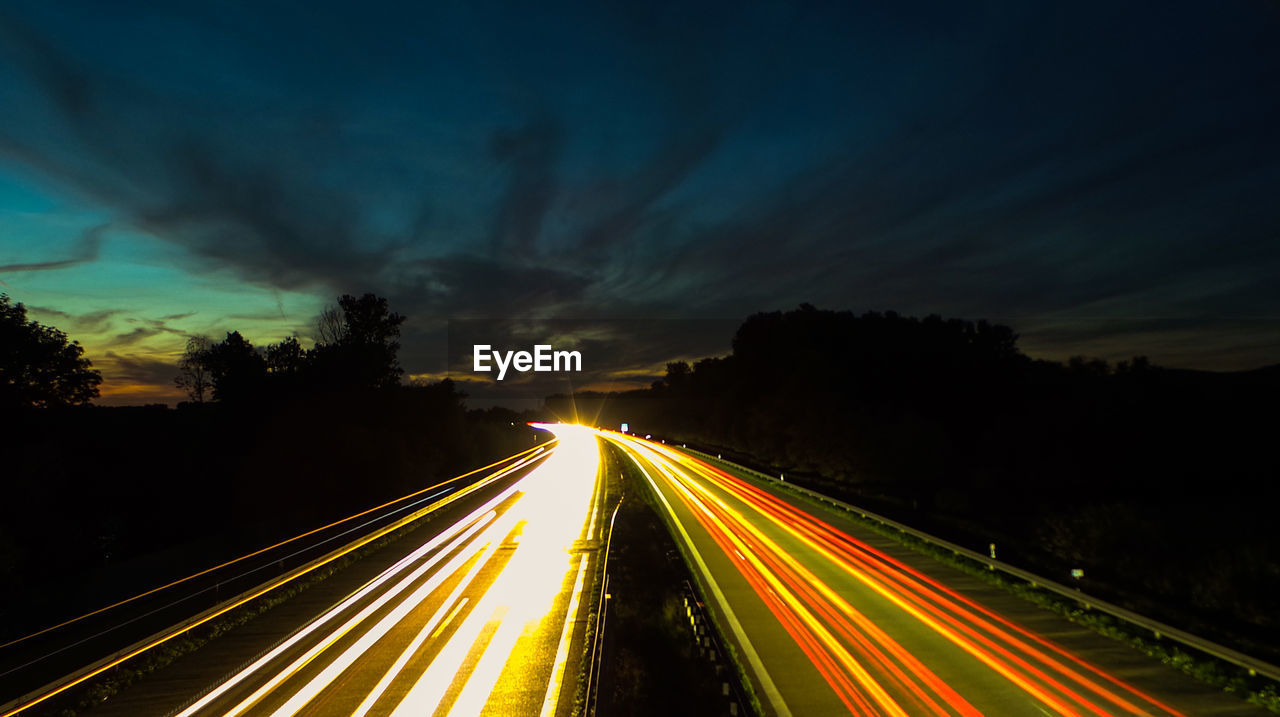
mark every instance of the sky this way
{"type": "Point", "coordinates": [1100, 176]}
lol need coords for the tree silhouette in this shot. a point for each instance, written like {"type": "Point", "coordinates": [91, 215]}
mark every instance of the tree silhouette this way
{"type": "Point", "coordinates": [364, 352]}
{"type": "Point", "coordinates": [330, 326]}
{"type": "Point", "coordinates": [38, 365]}
{"type": "Point", "coordinates": [356, 350]}
{"type": "Point", "coordinates": [678, 373]}
{"type": "Point", "coordinates": [235, 367]}
{"type": "Point", "coordinates": [286, 358]}
{"type": "Point", "coordinates": [193, 376]}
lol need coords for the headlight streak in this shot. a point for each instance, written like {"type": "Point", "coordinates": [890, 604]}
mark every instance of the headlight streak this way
{"type": "Point", "coordinates": [476, 524]}
{"type": "Point", "coordinates": [232, 578]}
{"type": "Point", "coordinates": [155, 640]}
{"type": "Point", "coordinates": [552, 698]}
{"type": "Point", "coordinates": [432, 629]}
{"type": "Point", "coordinates": [523, 457]}
{"type": "Point", "coordinates": [476, 515]}
{"type": "Point", "coordinates": [453, 662]}
{"type": "Point", "coordinates": [556, 506]}
{"type": "Point", "coordinates": [480, 547]}
{"type": "Point", "coordinates": [805, 606]}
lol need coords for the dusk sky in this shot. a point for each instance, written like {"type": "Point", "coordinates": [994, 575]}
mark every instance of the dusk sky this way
{"type": "Point", "coordinates": [1102, 177]}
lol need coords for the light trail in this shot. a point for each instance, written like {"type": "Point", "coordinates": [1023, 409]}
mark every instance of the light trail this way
{"type": "Point", "coordinates": [516, 461]}
{"type": "Point", "coordinates": [440, 630]}
{"type": "Point", "coordinates": [556, 516]}
{"type": "Point", "coordinates": [868, 670]}
{"type": "Point", "coordinates": [50, 691]}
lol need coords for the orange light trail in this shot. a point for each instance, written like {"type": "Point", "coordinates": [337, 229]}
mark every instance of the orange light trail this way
{"type": "Point", "coordinates": [868, 670]}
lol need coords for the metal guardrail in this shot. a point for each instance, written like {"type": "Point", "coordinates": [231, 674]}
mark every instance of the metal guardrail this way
{"type": "Point", "coordinates": [597, 641]}
{"type": "Point", "coordinates": [1159, 629]}
{"type": "Point", "coordinates": [710, 645]}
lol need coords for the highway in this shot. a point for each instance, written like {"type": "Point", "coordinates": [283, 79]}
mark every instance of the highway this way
{"type": "Point", "coordinates": [477, 620]}
{"type": "Point", "coordinates": [484, 617]}
{"type": "Point", "coordinates": [826, 619]}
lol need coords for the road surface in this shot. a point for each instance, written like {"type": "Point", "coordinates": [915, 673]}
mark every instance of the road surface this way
{"type": "Point", "coordinates": [827, 619]}
{"type": "Point", "coordinates": [478, 620]}
{"type": "Point", "coordinates": [484, 617]}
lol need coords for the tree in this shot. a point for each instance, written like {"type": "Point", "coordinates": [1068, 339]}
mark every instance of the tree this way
{"type": "Point", "coordinates": [361, 350]}
{"type": "Point", "coordinates": [330, 326]}
{"type": "Point", "coordinates": [193, 376]}
{"type": "Point", "coordinates": [286, 358]}
{"type": "Point", "coordinates": [38, 365]}
{"type": "Point", "coordinates": [367, 320]}
{"type": "Point", "coordinates": [235, 368]}
{"type": "Point", "coordinates": [678, 373]}
{"type": "Point", "coordinates": [1086, 366]}
{"type": "Point", "coordinates": [1139, 365]}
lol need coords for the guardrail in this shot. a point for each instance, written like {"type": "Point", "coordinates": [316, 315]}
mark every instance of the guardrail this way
{"type": "Point", "coordinates": [709, 646]}
{"type": "Point", "coordinates": [1159, 629]}
{"type": "Point", "coordinates": [597, 638]}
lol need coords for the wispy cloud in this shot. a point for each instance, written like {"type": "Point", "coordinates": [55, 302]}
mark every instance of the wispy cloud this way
{"type": "Point", "coordinates": [86, 250]}
{"type": "Point", "coordinates": [691, 165]}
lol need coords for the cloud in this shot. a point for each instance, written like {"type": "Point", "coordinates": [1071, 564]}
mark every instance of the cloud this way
{"type": "Point", "coordinates": [130, 379]}
{"type": "Point", "coordinates": [691, 164]}
{"type": "Point", "coordinates": [530, 154]}
{"type": "Point", "coordinates": [140, 369]}
{"type": "Point", "coordinates": [149, 328]}
{"type": "Point", "coordinates": [134, 336]}
{"type": "Point", "coordinates": [168, 167]}
{"type": "Point", "coordinates": [92, 322]}
{"type": "Point", "coordinates": [86, 251]}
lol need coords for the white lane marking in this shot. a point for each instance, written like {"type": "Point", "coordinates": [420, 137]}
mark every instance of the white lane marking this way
{"type": "Point", "coordinates": [753, 657]}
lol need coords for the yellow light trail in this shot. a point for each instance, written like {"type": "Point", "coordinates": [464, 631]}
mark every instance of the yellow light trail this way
{"type": "Point", "coordinates": [514, 550]}
{"type": "Point", "coordinates": [556, 512]}
{"type": "Point", "coordinates": [519, 458]}
{"type": "Point", "coordinates": [337, 610]}
{"type": "Point", "coordinates": [157, 640]}
{"type": "Point", "coordinates": [742, 520]}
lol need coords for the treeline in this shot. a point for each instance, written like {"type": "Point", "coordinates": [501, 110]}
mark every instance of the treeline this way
{"type": "Point", "coordinates": [102, 501]}
{"type": "Point", "coordinates": [1160, 484]}
{"type": "Point", "coordinates": [355, 350]}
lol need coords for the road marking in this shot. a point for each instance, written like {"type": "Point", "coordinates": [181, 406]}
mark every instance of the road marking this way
{"type": "Point", "coordinates": [449, 618]}
{"type": "Point", "coordinates": [552, 699]}
{"type": "Point", "coordinates": [753, 657]}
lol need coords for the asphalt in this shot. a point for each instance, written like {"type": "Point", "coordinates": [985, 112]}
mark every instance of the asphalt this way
{"type": "Point", "coordinates": [829, 617]}
{"type": "Point", "coordinates": [443, 620]}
